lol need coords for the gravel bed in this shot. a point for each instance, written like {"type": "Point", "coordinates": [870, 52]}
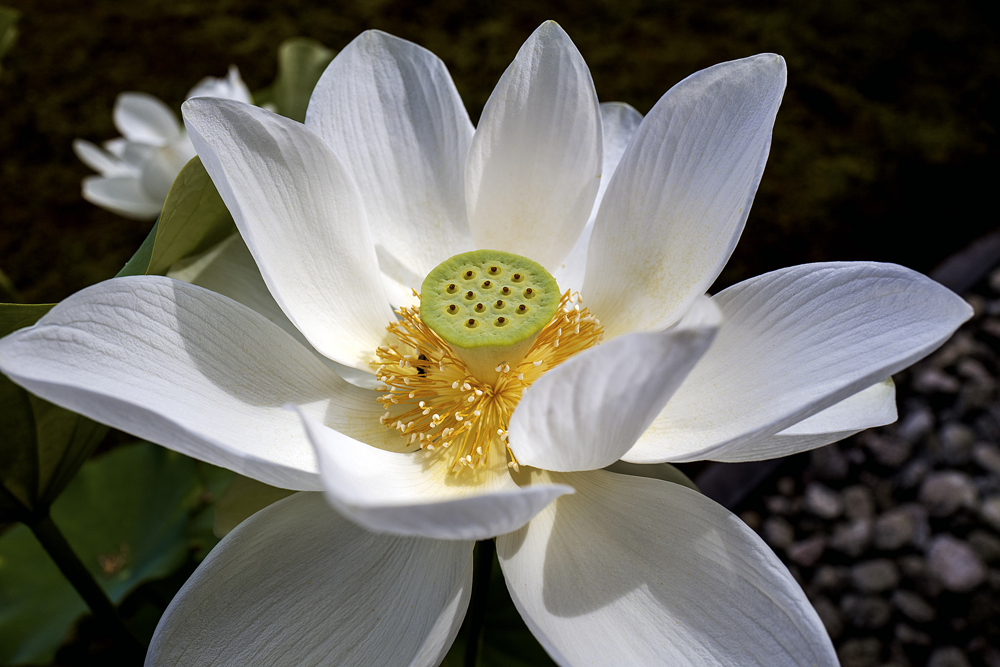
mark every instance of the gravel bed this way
{"type": "Point", "coordinates": [895, 533]}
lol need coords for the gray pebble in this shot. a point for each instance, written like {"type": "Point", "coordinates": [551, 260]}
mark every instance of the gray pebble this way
{"type": "Point", "coordinates": [916, 424]}
{"type": "Point", "coordinates": [852, 538]}
{"type": "Point", "coordinates": [956, 442]}
{"type": "Point", "coordinates": [831, 577]}
{"type": "Point", "coordinates": [990, 512]}
{"type": "Point", "coordinates": [864, 652]}
{"type": "Point", "coordinates": [986, 546]}
{"type": "Point", "coordinates": [868, 612]}
{"type": "Point", "coordinates": [830, 463]}
{"type": "Point", "coordinates": [948, 656]}
{"type": "Point", "coordinates": [859, 503]}
{"type": "Point", "coordinates": [887, 450]}
{"type": "Point", "coordinates": [875, 576]}
{"type": "Point", "coordinates": [913, 606]}
{"type": "Point", "coordinates": [955, 564]}
{"type": "Point", "coordinates": [906, 524]}
{"type": "Point", "coordinates": [778, 533]}
{"type": "Point", "coordinates": [987, 457]}
{"type": "Point", "coordinates": [913, 474]}
{"type": "Point", "coordinates": [830, 615]}
{"type": "Point", "coordinates": [944, 493]}
{"type": "Point", "coordinates": [934, 380]}
{"type": "Point", "coordinates": [823, 501]}
{"type": "Point", "coordinates": [807, 552]}
{"type": "Point", "coordinates": [909, 635]}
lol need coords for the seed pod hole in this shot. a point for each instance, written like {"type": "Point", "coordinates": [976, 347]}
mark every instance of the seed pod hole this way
{"type": "Point", "coordinates": [499, 304]}
{"type": "Point", "coordinates": [452, 288]}
{"type": "Point", "coordinates": [487, 284]}
{"type": "Point", "coordinates": [505, 291]}
{"type": "Point", "coordinates": [471, 323]}
{"type": "Point", "coordinates": [494, 270]}
{"type": "Point", "coordinates": [452, 309]}
{"type": "Point", "coordinates": [480, 307]}
{"type": "Point", "coordinates": [470, 295]}
{"type": "Point", "coordinates": [517, 277]}
{"type": "Point", "coordinates": [522, 309]}
{"type": "Point", "coordinates": [529, 293]}
{"type": "Point", "coordinates": [469, 275]}
{"type": "Point", "coordinates": [501, 321]}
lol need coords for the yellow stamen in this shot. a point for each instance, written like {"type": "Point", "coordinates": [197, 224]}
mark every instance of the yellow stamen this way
{"type": "Point", "coordinates": [436, 402]}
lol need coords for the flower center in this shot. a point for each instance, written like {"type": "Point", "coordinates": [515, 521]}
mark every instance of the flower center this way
{"type": "Point", "coordinates": [489, 324]}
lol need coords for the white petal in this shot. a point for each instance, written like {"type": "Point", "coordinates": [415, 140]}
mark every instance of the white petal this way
{"type": "Point", "coordinates": [620, 122]}
{"type": "Point", "coordinates": [535, 163]}
{"type": "Point", "coordinates": [100, 160]}
{"type": "Point", "coordinates": [146, 119]}
{"type": "Point", "coordinates": [296, 584]}
{"type": "Point", "coordinates": [635, 571]}
{"type": "Point", "coordinates": [871, 407]}
{"type": "Point", "coordinates": [588, 411]}
{"type": "Point", "coordinates": [229, 269]}
{"type": "Point", "coordinates": [116, 146]}
{"type": "Point", "coordinates": [795, 342]}
{"type": "Point", "coordinates": [123, 195]}
{"type": "Point", "coordinates": [192, 371]}
{"type": "Point", "coordinates": [417, 494]}
{"type": "Point", "coordinates": [677, 203]}
{"type": "Point", "coordinates": [301, 215]}
{"type": "Point", "coordinates": [162, 167]}
{"type": "Point", "coordinates": [390, 111]}
{"type": "Point", "coordinates": [229, 88]}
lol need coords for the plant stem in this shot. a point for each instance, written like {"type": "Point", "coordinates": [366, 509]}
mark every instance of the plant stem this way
{"type": "Point", "coordinates": [477, 606]}
{"type": "Point", "coordinates": [76, 572]}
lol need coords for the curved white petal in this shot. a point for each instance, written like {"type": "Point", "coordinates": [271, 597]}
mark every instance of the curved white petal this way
{"type": "Point", "coordinates": [635, 571]}
{"type": "Point", "coordinates": [535, 162]}
{"type": "Point", "coordinates": [230, 270]}
{"type": "Point", "coordinates": [676, 205]}
{"type": "Point", "coordinates": [389, 109]}
{"type": "Point", "coordinates": [300, 214]}
{"type": "Point", "coordinates": [871, 407]}
{"type": "Point", "coordinates": [296, 584]}
{"type": "Point", "coordinates": [417, 494]}
{"type": "Point", "coordinates": [100, 160]}
{"type": "Point", "coordinates": [145, 119]}
{"type": "Point", "coordinates": [190, 370]}
{"type": "Point", "coordinates": [588, 411]}
{"type": "Point", "coordinates": [123, 195]}
{"type": "Point", "coordinates": [229, 88]}
{"type": "Point", "coordinates": [162, 167]}
{"type": "Point", "coordinates": [620, 121]}
{"type": "Point", "coordinates": [795, 342]}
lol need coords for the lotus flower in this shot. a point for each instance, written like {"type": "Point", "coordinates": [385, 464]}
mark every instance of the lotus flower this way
{"type": "Point", "coordinates": [137, 169]}
{"type": "Point", "coordinates": [388, 191]}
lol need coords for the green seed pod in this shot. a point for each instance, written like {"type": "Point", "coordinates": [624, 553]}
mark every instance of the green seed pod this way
{"type": "Point", "coordinates": [488, 305]}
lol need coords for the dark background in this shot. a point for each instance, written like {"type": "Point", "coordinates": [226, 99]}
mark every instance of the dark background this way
{"type": "Point", "coordinates": [885, 147]}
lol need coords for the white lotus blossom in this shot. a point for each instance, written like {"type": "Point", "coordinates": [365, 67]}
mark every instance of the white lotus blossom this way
{"type": "Point", "coordinates": [347, 214]}
{"type": "Point", "coordinates": [137, 169]}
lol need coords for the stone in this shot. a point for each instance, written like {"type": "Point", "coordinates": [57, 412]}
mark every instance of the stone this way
{"type": "Point", "coordinates": [852, 538]}
{"type": "Point", "coordinates": [986, 546]}
{"type": "Point", "coordinates": [955, 564]}
{"type": "Point", "coordinates": [807, 552]}
{"type": "Point", "coordinates": [786, 486]}
{"type": "Point", "coordinates": [875, 576]}
{"type": "Point", "coordinates": [830, 615]}
{"type": "Point", "coordinates": [913, 474]}
{"type": "Point", "coordinates": [863, 652]}
{"type": "Point", "coordinates": [887, 450]}
{"type": "Point", "coordinates": [832, 578]}
{"type": "Point", "coordinates": [956, 442]}
{"type": "Point", "coordinates": [909, 635]}
{"type": "Point", "coordinates": [916, 424]}
{"type": "Point", "coordinates": [778, 533]}
{"type": "Point", "coordinates": [868, 612]}
{"type": "Point", "coordinates": [944, 493]}
{"type": "Point", "coordinates": [751, 519]}
{"type": "Point", "coordinates": [823, 501]}
{"type": "Point", "coordinates": [935, 381]}
{"type": "Point", "coordinates": [990, 512]}
{"type": "Point", "coordinates": [973, 370]}
{"type": "Point", "coordinates": [912, 606]}
{"type": "Point", "coordinates": [948, 656]}
{"type": "Point", "coordinates": [781, 505]}
{"type": "Point", "coordinates": [900, 526]}
{"type": "Point", "coordinates": [859, 503]}
{"type": "Point", "coordinates": [987, 457]}
{"type": "Point", "coordinates": [830, 463]}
